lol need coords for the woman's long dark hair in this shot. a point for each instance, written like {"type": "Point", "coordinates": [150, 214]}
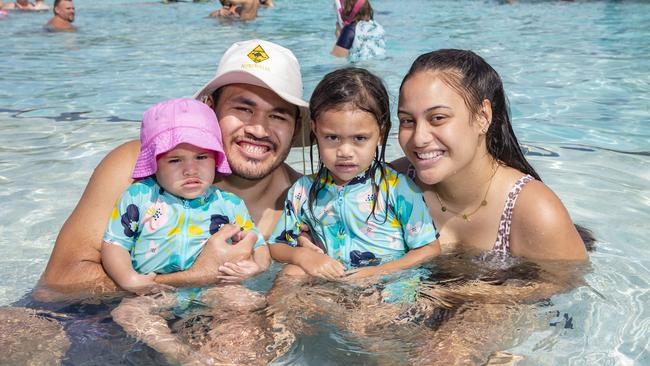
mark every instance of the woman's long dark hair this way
{"type": "Point", "coordinates": [353, 88]}
{"type": "Point", "coordinates": [475, 80]}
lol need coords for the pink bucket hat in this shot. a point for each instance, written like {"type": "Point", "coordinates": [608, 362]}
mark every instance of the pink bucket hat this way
{"type": "Point", "coordinates": [176, 121]}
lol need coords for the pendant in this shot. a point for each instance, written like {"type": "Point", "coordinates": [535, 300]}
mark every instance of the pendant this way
{"type": "Point", "coordinates": [465, 217]}
{"type": "Point", "coordinates": [484, 203]}
{"type": "Point", "coordinates": [443, 208]}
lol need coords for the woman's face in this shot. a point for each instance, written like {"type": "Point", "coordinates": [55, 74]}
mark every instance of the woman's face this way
{"type": "Point", "coordinates": [436, 130]}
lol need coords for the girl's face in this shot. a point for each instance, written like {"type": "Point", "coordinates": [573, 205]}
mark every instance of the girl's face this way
{"type": "Point", "coordinates": [347, 141]}
{"type": "Point", "coordinates": [186, 171]}
{"type": "Point", "coordinates": [436, 130]}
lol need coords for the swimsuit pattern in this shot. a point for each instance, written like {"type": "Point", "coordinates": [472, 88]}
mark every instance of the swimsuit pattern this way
{"type": "Point", "coordinates": [342, 222]}
{"type": "Point", "coordinates": [165, 233]}
{"type": "Point", "coordinates": [368, 42]}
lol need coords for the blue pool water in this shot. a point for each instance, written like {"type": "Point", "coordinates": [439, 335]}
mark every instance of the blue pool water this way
{"type": "Point", "coordinates": [577, 75]}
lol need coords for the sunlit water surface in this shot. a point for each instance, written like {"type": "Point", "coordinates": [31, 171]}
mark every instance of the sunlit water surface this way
{"type": "Point", "coordinates": [577, 76]}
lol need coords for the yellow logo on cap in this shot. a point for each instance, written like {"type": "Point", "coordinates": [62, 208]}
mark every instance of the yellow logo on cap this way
{"type": "Point", "coordinates": [258, 54]}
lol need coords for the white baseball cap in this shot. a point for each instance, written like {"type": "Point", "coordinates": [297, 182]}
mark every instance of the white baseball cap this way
{"type": "Point", "coordinates": [268, 65]}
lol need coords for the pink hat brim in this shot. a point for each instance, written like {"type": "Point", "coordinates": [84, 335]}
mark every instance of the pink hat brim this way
{"type": "Point", "coordinates": [166, 141]}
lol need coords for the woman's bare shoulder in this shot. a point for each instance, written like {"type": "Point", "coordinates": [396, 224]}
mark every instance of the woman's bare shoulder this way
{"type": "Point", "coordinates": [542, 227]}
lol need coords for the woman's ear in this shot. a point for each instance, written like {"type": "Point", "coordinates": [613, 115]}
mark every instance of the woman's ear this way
{"type": "Point", "coordinates": [485, 115]}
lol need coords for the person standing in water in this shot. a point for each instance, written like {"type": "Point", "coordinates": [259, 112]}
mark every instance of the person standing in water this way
{"type": "Point", "coordinates": [64, 13]}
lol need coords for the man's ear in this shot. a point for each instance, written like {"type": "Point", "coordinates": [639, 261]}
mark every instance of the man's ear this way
{"type": "Point", "coordinates": [485, 115]}
{"type": "Point", "coordinates": [209, 101]}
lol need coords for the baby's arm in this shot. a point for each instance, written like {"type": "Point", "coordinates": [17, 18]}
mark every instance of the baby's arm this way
{"type": "Point", "coordinates": [117, 264]}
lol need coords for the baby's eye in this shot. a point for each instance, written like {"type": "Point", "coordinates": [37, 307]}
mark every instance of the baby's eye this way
{"type": "Point", "coordinates": [331, 137]}
{"type": "Point", "coordinates": [202, 157]}
{"type": "Point", "coordinates": [174, 160]}
{"type": "Point", "coordinates": [360, 138]}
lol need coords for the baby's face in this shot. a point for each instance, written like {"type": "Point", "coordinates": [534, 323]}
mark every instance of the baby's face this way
{"type": "Point", "coordinates": [186, 171]}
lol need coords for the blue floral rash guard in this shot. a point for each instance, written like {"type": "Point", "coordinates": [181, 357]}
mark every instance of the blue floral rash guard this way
{"type": "Point", "coordinates": [165, 233]}
{"type": "Point", "coordinates": [342, 222]}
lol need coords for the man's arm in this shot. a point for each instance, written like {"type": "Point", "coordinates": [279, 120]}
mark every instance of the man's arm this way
{"type": "Point", "coordinates": [74, 269]}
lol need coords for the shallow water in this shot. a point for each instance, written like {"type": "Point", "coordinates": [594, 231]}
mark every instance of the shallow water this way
{"type": "Point", "coordinates": [577, 75]}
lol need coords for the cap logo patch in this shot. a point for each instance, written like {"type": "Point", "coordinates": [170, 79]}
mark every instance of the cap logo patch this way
{"type": "Point", "coordinates": [258, 54]}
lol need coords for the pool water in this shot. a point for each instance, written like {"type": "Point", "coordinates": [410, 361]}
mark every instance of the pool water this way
{"type": "Point", "coordinates": [577, 75]}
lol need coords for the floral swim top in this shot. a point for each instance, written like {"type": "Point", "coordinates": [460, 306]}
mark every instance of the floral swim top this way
{"type": "Point", "coordinates": [340, 221]}
{"type": "Point", "coordinates": [165, 233]}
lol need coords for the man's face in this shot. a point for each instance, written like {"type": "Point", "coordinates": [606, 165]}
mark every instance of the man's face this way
{"type": "Point", "coordinates": [65, 10]}
{"type": "Point", "coordinates": [257, 128]}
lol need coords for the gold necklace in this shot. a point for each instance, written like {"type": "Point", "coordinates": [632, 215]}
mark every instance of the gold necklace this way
{"type": "Point", "coordinates": [466, 216]}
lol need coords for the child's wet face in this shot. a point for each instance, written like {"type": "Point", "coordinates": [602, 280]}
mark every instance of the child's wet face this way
{"type": "Point", "coordinates": [186, 171]}
{"type": "Point", "coordinates": [347, 141]}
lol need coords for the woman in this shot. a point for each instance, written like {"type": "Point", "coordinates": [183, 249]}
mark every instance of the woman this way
{"type": "Point", "coordinates": [455, 130]}
{"type": "Point", "coordinates": [485, 198]}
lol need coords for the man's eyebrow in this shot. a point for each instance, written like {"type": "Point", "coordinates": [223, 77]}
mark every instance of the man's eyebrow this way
{"type": "Point", "coordinates": [249, 102]}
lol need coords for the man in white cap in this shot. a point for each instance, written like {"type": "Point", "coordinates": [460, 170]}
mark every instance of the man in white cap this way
{"type": "Point", "coordinates": [258, 99]}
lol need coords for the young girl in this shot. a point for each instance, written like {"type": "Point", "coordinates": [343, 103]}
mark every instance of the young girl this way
{"type": "Point", "coordinates": [161, 221]}
{"type": "Point", "coordinates": [359, 37]}
{"type": "Point", "coordinates": [366, 216]}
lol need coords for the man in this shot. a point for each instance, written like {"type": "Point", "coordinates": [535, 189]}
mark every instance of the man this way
{"type": "Point", "coordinates": [63, 16]}
{"type": "Point", "coordinates": [242, 9]}
{"type": "Point", "coordinates": [18, 5]}
{"type": "Point", "coordinates": [257, 97]}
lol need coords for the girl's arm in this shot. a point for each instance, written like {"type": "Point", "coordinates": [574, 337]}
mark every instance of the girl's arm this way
{"type": "Point", "coordinates": [313, 263]}
{"type": "Point", "coordinates": [413, 258]}
{"type": "Point", "coordinates": [117, 263]}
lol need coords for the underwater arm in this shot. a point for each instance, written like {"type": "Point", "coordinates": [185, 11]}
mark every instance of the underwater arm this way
{"type": "Point", "coordinates": [411, 259]}
{"type": "Point", "coordinates": [74, 269]}
{"type": "Point", "coordinates": [313, 263]}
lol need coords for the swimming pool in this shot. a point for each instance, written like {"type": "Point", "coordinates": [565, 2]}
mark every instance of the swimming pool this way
{"type": "Point", "coordinates": [577, 76]}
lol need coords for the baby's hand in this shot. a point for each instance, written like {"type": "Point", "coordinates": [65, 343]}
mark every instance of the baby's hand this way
{"type": "Point", "coordinates": [142, 284]}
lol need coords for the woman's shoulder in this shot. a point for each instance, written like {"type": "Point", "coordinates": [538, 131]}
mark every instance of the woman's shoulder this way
{"type": "Point", "coordinates": [542, 227]}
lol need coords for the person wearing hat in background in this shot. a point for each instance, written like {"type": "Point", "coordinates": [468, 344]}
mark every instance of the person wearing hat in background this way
{"type": "Point", "coordinates": [63, 17]}
{"type": "Point", "coordinates": [257, 95]}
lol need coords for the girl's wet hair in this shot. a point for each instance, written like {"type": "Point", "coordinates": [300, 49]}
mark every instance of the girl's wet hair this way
{"type": "Point", "coordinates": [365, 13]}
{"type": "Point", "coordinates": [352, 88]}
{"type": "Point", "coordinates": [475, 80]}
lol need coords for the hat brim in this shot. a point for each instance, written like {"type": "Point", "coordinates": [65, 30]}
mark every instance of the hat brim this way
{"type": "Point", "coordinates": [301, 138]}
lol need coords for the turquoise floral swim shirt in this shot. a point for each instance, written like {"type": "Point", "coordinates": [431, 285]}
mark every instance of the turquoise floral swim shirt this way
{"type": "Point", "coordinates": [165, 233]}
{"type": "Point", "coordinates": [342, 222]}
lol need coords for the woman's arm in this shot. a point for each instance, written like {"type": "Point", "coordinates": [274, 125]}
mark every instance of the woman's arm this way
{"type": "Point", "coordinates": [413, 258]}
{"type": "Point", "coordinates": [542, 228]}
{"type": "Point", "coordinates": [74, 269]}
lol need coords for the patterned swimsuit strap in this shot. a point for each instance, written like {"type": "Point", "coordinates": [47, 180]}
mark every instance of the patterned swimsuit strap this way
{"type": "Point", "coordinates": [502, 244]}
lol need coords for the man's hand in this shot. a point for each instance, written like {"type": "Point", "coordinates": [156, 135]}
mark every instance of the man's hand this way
{"type": "Point", "coordinates": [218, 251]}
